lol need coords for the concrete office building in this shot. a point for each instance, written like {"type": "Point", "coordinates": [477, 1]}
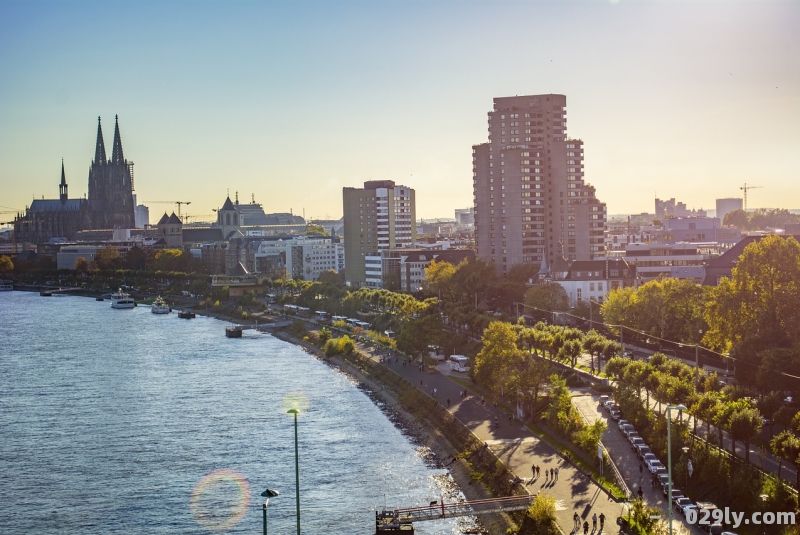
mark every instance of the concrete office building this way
{"type": "Point", "coordinates": [726, 206]}
{"type": "Point", "coordinates": [531, 202]}
{"type": "Point", "coordinates": [378, 218]}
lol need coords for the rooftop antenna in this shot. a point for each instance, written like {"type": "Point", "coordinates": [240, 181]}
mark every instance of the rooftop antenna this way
{"type": "Point", "coordinates": [252, 198]}
{"type": "Point", "coordinates": [237, 197]}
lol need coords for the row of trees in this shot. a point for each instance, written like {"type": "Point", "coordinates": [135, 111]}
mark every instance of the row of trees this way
{"type": "Point", "coordinates": [761, 219]}
{"type": "Point", "coordinates": [753, 316]}
{"type": "Point", "coordinates": [670, 381]}
{"type": "Point", "coordinates": [506, 363]}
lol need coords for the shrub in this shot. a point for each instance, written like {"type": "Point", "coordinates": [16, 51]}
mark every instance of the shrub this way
{"type": "Point", "coordinates": [244, 315]}
{"type": "Point", "coordinates": [324, 335]}
{"type": "Point", "coordinates": [339, 346]}
{"type": "Point", "coordinates": [298, 328]}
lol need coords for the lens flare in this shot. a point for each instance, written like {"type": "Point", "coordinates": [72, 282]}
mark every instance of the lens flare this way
{"type": "Point", "coordinates": [220, 499]}
{"type": "Point", "coordinates": [295, 400]}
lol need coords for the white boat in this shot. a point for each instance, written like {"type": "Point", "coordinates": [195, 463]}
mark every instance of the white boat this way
{"type": "Point", "coordinates": [6, 286]}
{"type": "Point", "coordinates": [122, 300]}
{"type": "Point", "coordinates": [160, 306]}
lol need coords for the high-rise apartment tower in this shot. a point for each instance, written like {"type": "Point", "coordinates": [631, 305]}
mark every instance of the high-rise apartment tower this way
{"type": "Point", "coordinates": [378, 218]}
{"type": "Point", "coordinates": [531, 202]}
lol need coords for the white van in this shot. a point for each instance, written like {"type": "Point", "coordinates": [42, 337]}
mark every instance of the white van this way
{"type": "Point", "coordinates": [459, 363]}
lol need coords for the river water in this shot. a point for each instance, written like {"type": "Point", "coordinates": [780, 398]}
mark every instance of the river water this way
{"type": "Point", "coordinates": [123, 421]}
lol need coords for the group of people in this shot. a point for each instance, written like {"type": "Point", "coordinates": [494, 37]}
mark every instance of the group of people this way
{"type": "Point", "coordinates": [577, 522]}
{"type": "Point", "coordinates": [549, 474]}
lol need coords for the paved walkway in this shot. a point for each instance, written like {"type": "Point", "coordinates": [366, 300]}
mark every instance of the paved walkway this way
{"type": "Point", "coordinates": [518, 447]}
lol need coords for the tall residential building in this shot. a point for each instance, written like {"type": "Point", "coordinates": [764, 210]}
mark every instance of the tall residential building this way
{"type": "Point", "coordinates": [380, 217]}
{"type": "Point", "coordinates": [531, 202]}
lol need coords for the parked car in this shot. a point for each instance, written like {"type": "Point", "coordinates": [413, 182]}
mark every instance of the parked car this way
{"type": "Point", "coordinates": [631, 435]}
{"type": "Point", "coordinates": [636, 441]}
{"type": "Point", "coordinates": [622, 423]}
{"type": "Point", "coordinates": [684, 505]}
{"type": "Point", "coordinates": [642, 451]}
{"type": "Point", "coordinates": [654, 465]}
{"type": "Point", "coordinates": [608, 404]}
{"type": "Point", "coordinates": [676, 493]}
{"type": "Point", "coordinates": [627, 428]}
{"type": "Point", "coordinates": [603, 400]}
{"type": "Point", "coordinates": [716, 529]}
{"type": "Point", "coordinates": [615, 414]}
{"type": "Point", "coordinates": [663, 480]}
{"type": "Point", "coordinates": [648, 458]}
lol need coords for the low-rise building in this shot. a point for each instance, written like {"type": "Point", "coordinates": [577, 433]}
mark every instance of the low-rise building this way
{"type": "Point", "coordinates": [593, 279]}
{"type": "Point", "coordinates": [413, 264]}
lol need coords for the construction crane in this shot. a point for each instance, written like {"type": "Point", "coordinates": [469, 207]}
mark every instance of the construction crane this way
{"type": "Point", "coordinates": [179, 203]}
{"type": "Point", "coordinates": [744, 189]}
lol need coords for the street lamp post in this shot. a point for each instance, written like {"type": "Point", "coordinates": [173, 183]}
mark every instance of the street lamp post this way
{"type": "Point", "coordinates": [269, 493]}
{"type": "Point", "coordinates": [669, 461]}
{"type": "Point", "coordinates": [296, 468]}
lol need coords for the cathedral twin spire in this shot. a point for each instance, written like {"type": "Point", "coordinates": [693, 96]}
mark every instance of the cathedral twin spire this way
{"type": "Point", "coordinates": [100, 149]}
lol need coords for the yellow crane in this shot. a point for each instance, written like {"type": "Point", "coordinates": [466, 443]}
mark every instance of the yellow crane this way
{"type": "Point", "coordinates": [179, 203]}
{"type": "Point", "coordinates": [744, 189]}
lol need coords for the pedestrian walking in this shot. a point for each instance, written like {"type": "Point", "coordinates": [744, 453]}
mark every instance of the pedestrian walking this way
{"type": "Point", "coordinates": [537, 470]}
{"type": "Point", "coordinates": [576, 520]}
{"type": "Point", "coordinates": [641, 470]}
{"type": "Point", "coordinates": [594, 521]}
{"type": "Point", "coordinates": [585, 527]}
{"type": "Point", "coordinates": [641, 492]}
{"type": "Point", "coordinates": [602, 521]}
{"type": "Point", "coordinates": [556, 469]}
{"type": "Point", "coordinates": [448, 403]}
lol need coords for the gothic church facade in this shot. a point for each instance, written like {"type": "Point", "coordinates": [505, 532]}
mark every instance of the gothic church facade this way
{"type": "Point", "coordinates": [109, 204]}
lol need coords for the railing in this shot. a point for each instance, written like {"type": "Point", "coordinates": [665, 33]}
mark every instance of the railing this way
{"type": "Point", "coordinates": [456, 509]}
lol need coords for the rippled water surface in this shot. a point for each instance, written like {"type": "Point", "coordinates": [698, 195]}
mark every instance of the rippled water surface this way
{"type": "Point", "coordinates": [123, 421]}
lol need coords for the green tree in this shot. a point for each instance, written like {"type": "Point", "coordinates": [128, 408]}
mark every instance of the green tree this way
{"type": "Point", "coordinates": [786, 445]}
{"type": "Point", "coordinates": [108, 258]}
{"type": "Point", "coordinates": [738, 219]}
{"type": "Point", "coordinates": [547, 297]}
{"type": "Point", "coordinates": [756, 310]}
{"type": "Point", "coordinates": [498, 356]}
{"type": "Point", "coordinates": [81, 265]}
{"type": "Point", "coordinates": [168, 260]}
{"type": "Point", "coordinates": [136, 258]}
{"type": "Point", "coordinates": [438, 276]}
{"type": "Point", "coordinates": [745, 424]}
{"type": "Point", "coordinates": [317, 230]}
{"type": "Point", "coordinates": [6, 265]}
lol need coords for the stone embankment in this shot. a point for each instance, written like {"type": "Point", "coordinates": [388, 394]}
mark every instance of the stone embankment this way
{"type": "Point", "coordinates": [474, 468]}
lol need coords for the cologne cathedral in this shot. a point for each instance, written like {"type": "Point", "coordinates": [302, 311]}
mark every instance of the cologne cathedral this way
{"type": "Point", "coordinates": [109, 206]}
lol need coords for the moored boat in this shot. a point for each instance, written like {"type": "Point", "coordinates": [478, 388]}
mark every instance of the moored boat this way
{"type": "Point", "coordinates": [233, 332]}
{"type": "Point", "coordinates": [160, 306]}
{"type": "Point", "coordinates": [120, 299]}
{"type": "Point", "coordinates": [186, 314]}
{"type": "Point", "coordinates": [6, 286]}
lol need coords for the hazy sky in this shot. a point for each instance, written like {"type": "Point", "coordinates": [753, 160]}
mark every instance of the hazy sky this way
{"type": "Point", "coordinates": [292, 100]}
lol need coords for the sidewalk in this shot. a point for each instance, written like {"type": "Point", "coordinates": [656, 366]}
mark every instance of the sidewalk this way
{"type": "Point", "coordinates": [518, 447]}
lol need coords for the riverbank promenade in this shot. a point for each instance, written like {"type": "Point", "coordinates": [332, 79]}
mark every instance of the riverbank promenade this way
{"type": "Point", "coordinates": [515, 445]}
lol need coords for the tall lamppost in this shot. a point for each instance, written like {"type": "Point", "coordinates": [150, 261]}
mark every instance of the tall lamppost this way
{"type": "Point", "coordinates": [296, 468]}
{"type": "Point", "coordinates": [269, 493]}
{"type": "Point", "coordinates": [669, 461]}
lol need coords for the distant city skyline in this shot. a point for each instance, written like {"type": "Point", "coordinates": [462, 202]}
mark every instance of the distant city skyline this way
{"type": "Point", "coordinates": [291, 102]}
